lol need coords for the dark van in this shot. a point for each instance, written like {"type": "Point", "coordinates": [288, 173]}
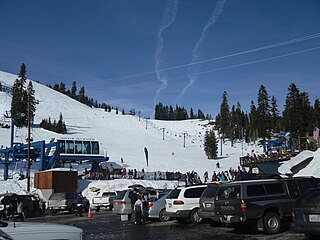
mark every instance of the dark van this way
{"type": "Point", "coordinates": [259, 204]}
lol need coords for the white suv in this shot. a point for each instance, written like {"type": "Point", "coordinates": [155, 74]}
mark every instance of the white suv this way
{"type": "Point", "coordinates": [182, 203]}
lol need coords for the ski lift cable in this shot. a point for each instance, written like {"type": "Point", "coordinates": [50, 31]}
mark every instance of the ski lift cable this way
{"type": "Point", "coordinates": [279, 44]}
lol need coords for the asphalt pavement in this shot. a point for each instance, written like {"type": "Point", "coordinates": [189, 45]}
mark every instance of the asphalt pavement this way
{"type": "Point", "coordinates": [106, 225]}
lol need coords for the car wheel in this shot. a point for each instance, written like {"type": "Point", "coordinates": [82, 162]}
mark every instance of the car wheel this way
{"type": "Point", "coordinates": [97, 209]}
{"type": "Point", "coordinates": [53, 212]}
{"type": "Point", "coordinates": [26, 212]}
{"type": "Point", "coordinates": [86, 208]}
{"type": "Point", "coordinates": [195, 217]}
{"type": "Point", "coordinates": [72, 209]}
{"type": "Point", "coordinates": [163, 217]}
{"type": "Point", "coordinates": [272, 223]}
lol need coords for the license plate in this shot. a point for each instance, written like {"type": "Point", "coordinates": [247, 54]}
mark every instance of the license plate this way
{"type": "Point", "coordinates": [314, 217]}
{"type": "Point", "coordinates": [208, 205]}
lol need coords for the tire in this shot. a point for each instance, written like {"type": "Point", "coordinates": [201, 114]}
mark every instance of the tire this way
{"type": "Point", "coordinates": [271, 223]}
{"type": "Point", "coordinates": [53, 212]}
{"type": "Point", "coordinates": [98, 209]}
{"type": "Point", "coordinates": [163, 217]}
{"type": "Point", "coordinates": [72, 208]}
{"type": "Point", "coordinates": [194, 216]}
{"type": "Point", "coordinates": [27, 213]}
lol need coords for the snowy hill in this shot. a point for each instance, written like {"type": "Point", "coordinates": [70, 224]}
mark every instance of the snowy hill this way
{"type": "Point", "coordinates": [124, 136]}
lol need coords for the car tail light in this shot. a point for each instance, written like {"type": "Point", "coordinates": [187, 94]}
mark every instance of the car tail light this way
{"type": "Point", "coordinates": [243, 207]}
{"type": "Point", "coordinates": [178, 202]}
{"type": "Point", "coordinates": [293, 216]}
{"type": "Point", "coordinates": [150, 204]}
{"type": "Point", "coordinates": [122, 202]}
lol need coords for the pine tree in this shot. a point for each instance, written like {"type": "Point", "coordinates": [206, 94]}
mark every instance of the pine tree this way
{"type": "Point", "coordinates": [224, 115]}
{"type": "Point", "coordinates": [74, 90]}
{"type": "Point", "coordinates": [296, 113]}
{"type": "Point", "coordinates": [263, 111]}
{"type": "Point", "coordinates": [275, 115]}
{"type": "Point", "coordinates": [82, 95]}
{"type": "Point", "coordinates": [191, 114]}
{"type": "Point", "coordinates": [210, 144]}
{"type": "Point", "coordinates": [316, 113]}
{"type": "Point", "coordinates": [62, 88]}
{"type": "Point", "coordinates": [19, 103]}
{"type": "Point", "coordinates": [253, 121]}
{"type": "Point", "coordinates": [32, 101]}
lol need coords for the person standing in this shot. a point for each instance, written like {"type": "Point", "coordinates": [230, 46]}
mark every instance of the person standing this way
{"type": "Point", "coordinates": [138, 208]}
{"type": "Point", "coordinates": [20, 210]}
{"type": "Point", "coordinates": [205, 176]}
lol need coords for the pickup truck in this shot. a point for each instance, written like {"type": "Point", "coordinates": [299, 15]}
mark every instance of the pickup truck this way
{"type": "Point", "coordinates": [66, 201]}
{"type": "Point", "coordinates": [104, 201]}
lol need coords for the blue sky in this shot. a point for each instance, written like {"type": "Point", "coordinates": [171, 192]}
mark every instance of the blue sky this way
{"type": "Point", "coordinates": [135, 53]}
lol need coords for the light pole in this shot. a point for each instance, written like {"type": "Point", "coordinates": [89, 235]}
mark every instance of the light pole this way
{"type": "Point", "coordinates": [163, 129]}
{"type": "Point", "coordinates": [28, 182]}
{"type": "Point", "coordinates": [221, 144]}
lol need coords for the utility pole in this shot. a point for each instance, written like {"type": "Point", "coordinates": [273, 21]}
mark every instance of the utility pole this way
{"type": "Point", "coordinates": [146, 123]}
{"type": "Point", "coordinates": [184, 140]}
{"type": "Point", "coordinates": [139, 115]}
{"type": "Point", "coordinates": [28, 183]}
{"type": "Point", "coordinates": [221, 144]}
{"type": "Point", "coordinates": [163, 129]}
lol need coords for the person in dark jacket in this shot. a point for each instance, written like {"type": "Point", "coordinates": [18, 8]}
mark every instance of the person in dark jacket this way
{"type": "Point", "coordinates": [138, 208]}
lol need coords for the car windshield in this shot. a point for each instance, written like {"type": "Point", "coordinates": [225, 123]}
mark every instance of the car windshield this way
{"type": "Point", "coordinates": [174, 194]}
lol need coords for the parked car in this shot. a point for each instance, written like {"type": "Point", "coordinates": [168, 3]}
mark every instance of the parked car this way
{"type": "Point", "coordinates": [104, 201]}
{"type": "Point", "coordinates": [122, 203]}
{"type": "Point", "coordinates": [206, 202]}
{"type": "Point", "coordinates": [66, 201]}
{"type": "Point", "coordinates": [156, 208]}
{"type": "Point", "coordinates": [41, 231]}
{"type": "Point", "coordinates": [306, 214]}
{"type": "Point", "coordinates": [182, 203]}
{"type": "Point", "coordinates": [263, 204]}
{"type": "Point", "coordinates": [4, 236]}
{"type": "Point", "coordinates": [8, 209]}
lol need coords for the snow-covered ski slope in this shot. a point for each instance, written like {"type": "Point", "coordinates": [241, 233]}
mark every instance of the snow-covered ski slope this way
{"type": "Point", "coordinates": [124, 136]}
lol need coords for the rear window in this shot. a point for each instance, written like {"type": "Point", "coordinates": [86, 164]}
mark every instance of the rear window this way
{"type": "Point", "coordinates": [264, 189]}
{"type": "Point", "coordinates": [57, 196]}
{"type": "Point", "coordinates": [255, 190]}
{"type": "Point", "coordinates": [310, 198]}
{"type": "Point", "coordinates": [274, 188]}
{"type": "Point", "coordinates": [210, 191]}
{"type": "Point", "coordinates": [174, 194]}
{"type": "Point", "coordinates": [230, 192]}
{"type": "Point", "coordinates": [194, 192]}
{"type": "Point", "coordinates": [305, 184]}
{"type": "Point", "coordinates": [121, 194]}
{"type": "Point", "coordinates": [108, 194]}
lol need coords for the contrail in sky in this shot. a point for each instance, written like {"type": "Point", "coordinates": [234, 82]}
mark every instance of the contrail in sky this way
{"type": "Point", "coordinates": [196, 51]}
{"type": "Point", "coordinates": [168, 18]}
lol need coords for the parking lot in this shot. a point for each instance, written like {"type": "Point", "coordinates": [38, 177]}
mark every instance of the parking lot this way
{"type": "Point", "coordinates": [106, 225]}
